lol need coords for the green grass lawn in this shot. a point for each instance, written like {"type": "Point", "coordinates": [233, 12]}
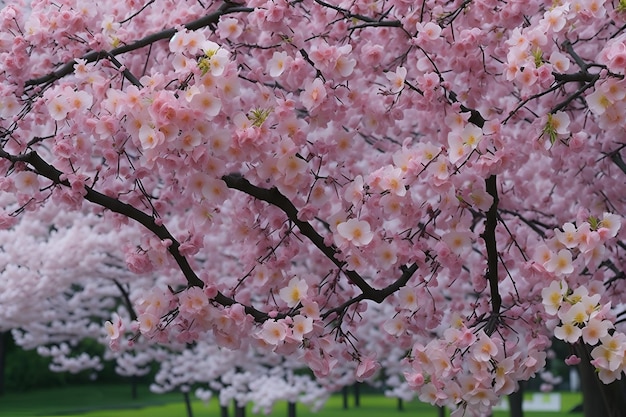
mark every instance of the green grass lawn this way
{"type": "Point", "coordinates": [79, 399]}
{"type": "Point", "coordinates": [105, 401]}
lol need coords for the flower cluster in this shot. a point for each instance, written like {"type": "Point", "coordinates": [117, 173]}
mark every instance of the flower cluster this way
{"type": "Point", "coordinates": [584, 243]}
{"type": "Point", "coordinates": [469, 371]}
{"type": "Point", "coordinates": [331, 183]}
{"type": "Point", "coordinates": [581, 316]}
{"type": "Point", "coordinates": [607, 102]}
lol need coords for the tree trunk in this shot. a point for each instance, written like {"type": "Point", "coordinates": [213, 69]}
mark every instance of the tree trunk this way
{"type": "Point", "coordinates": [3, 353]}
{"type": "Point", "coordinates": [599, 399]}
{"type": "Point", "coordinates": [515, 402]}
{"type": "Point", "coordinates": [357, 394]}
{"type": "Point", "coordinates": [240, 411]}
{"type": "Point", "coordinates": [187, 403]}
{"type": "Point", "coordinates": [291, 409]}
{"type": "Point", "coordinates": [441, 411]}
{"type": "Point", "coordinates": [344, 393]}
{"type": "Point", "coordinates": [133, 387]}
{"type": "Point", "coordinates": [223, 410]}
{"type": "Point", "coordinates": [400, 404]}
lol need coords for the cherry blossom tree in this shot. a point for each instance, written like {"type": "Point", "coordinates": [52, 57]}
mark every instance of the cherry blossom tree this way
{"type": "Point", "coordinates": [450, 170]}
{"type": "Point", "coordinates": [62, 276]}
{"type": "Point", "coordinates": [56, 255]}
{"type": "Point", "coordinates": [238, 377]}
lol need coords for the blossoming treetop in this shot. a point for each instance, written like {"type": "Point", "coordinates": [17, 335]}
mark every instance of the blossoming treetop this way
{"type": "Point", "coordinates": [454, 167]}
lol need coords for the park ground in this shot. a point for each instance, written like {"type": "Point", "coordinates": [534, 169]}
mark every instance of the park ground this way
{"type": "Point", "coordinates": [107, 400]}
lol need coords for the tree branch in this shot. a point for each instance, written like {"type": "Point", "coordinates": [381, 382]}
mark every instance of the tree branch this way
{"type": "Point", "coordinates": [407, 273]}
{"type": "Point", "coordinates": [93, 56]}
{"type": "Point", "coordinates": [127, 302]}
{"type": "Point", "coordinates": [349, 15]}
{"type": "Point", "coordinates": [274, 197]}
{"type": "Point", "coordinates": [115, 205]}
{"type": "Point", "coordinates": [46, 170]}
{"type": "Point", "coordinates": [616, 157]}
{"type": "Point", "coordinates": [576, 94]}
{"type": "Point", "coordinates": [489, 236]}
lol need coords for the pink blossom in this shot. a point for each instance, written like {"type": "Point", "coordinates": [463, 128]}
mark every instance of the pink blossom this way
{"type": "Point", "coordinates": [192, 301]}
{"type": "Point", "coordinates": [27, 182]}
{"type": "Point", "coordinates": [229, 28]}
{"type": "Point", "coordinates": [277, 64]}
{"type": "Point", "coordinates": [560, 263]}
{"type": "Point", "coordinates": [293, 293]}
{"type": "Point", "coordinates": [357, 232]}
{"type": "Point", "coordinates": [595, 329]}
{"type": "Point", "coordinates": [459, 242]}
{"type": "Point", "coordinates": [148, 323]}
{"type": "Point", "coordinates": [559, 61]}
{"type": "Point", "coordinates": [314, 95]}
{"type": "Point", "coordinates": [430, 30]}
{"type": "Point", "coordinates": [206, 103]}
{"type": "Point", "coordinates": [59, 107]}
{"type": "Point", "coordinates": [414, 379]}
{"type": "Point", "coordinates": [114, 329]}
{"type": "Point", "coordinates": [484, 348]}
{"type": "Point", "coordinates": [366, 368]}
{"type": "Point", "coordinates": [396, 79]}
{"type": "Point", "coordinates": [273, 332]}
{"type": "Point", "coordinates": [555, 19]}
{"type": "Point", "coordinates": [395, 326]}
{"type": "Point", "coordinates": [572, 360]}
{"type": "Point", "coordinates": [301, 327]}
{"type": "Point", "coordinates": [568, 332]}
{"type": "Point", "coordinates": [612, 222]}
{"type": "Point", "coordinates": [569, 236]}
{"type": "Point", "coordinates": [354, 192]}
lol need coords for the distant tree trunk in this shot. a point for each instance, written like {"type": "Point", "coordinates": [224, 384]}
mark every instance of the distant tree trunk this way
{"type": "Point", "coordinates": [239, 410]}
{"type": "Point", "coordinates": [599, 399]}
{"type": "Point", "coordinates": [187, 403]}
{"type": "Point", "coordinates": [441, 411]}
{"type": "Point", "coordinates": [133, 387]}
{"type": "Point", "coordinates": [291, 409]}
{"type": "Point", "coordinates": [344, 393]}
{"type": "Point", "coordinates": [400, 404]}
{"type": "Point", "coordinates": [224, 410]}
{"type": "Point", "coordinates": [3, 353]}
{"type": "Point", "coordinates": [515, 401]}
{"type": "Point", "coordinates": [357, 394]}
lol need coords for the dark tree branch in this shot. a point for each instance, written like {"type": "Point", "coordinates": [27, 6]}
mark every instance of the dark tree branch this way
{"type": "Point", "coordinates": [129, 75]}
{"type": "Point", "coordinates": [132, 16]}
{"type": "Point", "coordinates": [576, 94]}
{"type": "Point", "coordinates": [127, 302]}
{"type": "Point", "coordinates": [533, 224]}
{"type": "Point", "coordinates": [582, 77]}
{"type": "Point", "coordinates": [407, 273]}
{"type": "Point", "coordinates": [349, 15]}
{"type": "Point", "coordinates": [116, 206]}
{"type": "Point", "coordinates": [569, 48]}
{"type": "Point", "coordinates": [616, 157]}
{"type": "Point", "coordinates": [489, 236]}
{"type": "Point", "coordinates": [46, 170]}
{"type": "Point", "coordinates": [277, 199]}
{"type": "Point", "coordinates": [475, 117]}
{"type": "Point", "coordinates": [393, 23]}
{"type": "Point", "coordinates": [93, 56]}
